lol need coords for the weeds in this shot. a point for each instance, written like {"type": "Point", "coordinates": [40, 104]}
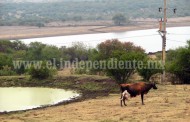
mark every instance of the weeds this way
{"type": "Point", "coordinates": [185, 88]}
{"type": "Point", "coordinates": [166, 100]}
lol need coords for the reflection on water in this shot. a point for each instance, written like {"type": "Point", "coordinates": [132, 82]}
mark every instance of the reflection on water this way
{"type": "Point", "coordinates": [13, 99]}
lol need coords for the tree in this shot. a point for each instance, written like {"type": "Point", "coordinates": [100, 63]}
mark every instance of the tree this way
{"type": "Point", "coordinates": [6, 46]}
{"type": "Point", "coordinates": [124, 65]}
{"type": "Point", "coordinates": [77, 50]}
{"type": "Point", "coordinates": [50, 52]}
{"type": "Point", "coordinates": [178, 63]}
{"type": "Point", "coordinates": [39, 25]}
{"type": "Point", "coordinates": [149, 68]}
{"type": "Point", "coordinates": [106, 48]}
{"type": "Point", "coordinates": [5, 60]}
{"type": "Point", "coordinates": [116, 52]}
{"type": "Point", "coordinates": [18, 45]}
{"type": "Point", "coordinates": [34, 51]}
{"type": "Point", "coordinates": [119, 19]}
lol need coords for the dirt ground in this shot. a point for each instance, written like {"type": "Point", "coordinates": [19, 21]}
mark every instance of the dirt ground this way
{"type": "Point", "coordinates": [23, 32]}
{"type": "Point", "coordinates": [168, 103]}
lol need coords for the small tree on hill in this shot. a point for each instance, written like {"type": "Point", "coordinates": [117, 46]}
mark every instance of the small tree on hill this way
{"type": "Point", "coordinates": [40, 25]}
{"type": "Point", "coordinates": [119, 19]}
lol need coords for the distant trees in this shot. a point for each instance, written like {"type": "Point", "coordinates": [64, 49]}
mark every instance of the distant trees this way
{"type": "Point", "coordinates": [40, 25]}
{"type": "Point", "coordinates": [77, 18]}
{"type": "Point", "coordinates": [119, 19]}
{"type": "Point", "coordinates": [35, 14]}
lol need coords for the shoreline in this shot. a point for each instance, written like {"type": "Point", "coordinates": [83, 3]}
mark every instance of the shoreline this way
{"type": "Point", "coordinates": [27, 32]}
{"type": "Point", "coordinates": [85, 93]}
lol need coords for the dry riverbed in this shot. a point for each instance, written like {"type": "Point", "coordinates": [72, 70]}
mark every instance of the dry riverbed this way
{"type": "Point", "coordinates": [168, 103]}
{"type": "Point", "coordinates": [23, 32]}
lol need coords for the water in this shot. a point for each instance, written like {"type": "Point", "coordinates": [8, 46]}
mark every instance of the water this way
{"type": "Point", "coordinates": [149, 39]}
{"type": "Point", "coordinates": [19, 98]}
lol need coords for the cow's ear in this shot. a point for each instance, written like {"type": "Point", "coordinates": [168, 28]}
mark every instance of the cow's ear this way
{"type": "Point", "coordinates": [152, 82]}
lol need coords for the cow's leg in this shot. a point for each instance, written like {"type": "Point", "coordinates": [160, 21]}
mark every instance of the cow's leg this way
{"type": "Point", "coordinates": [124, 100]}
{"type": "Point", "coordinates": [142, 95]}
{"type": "Point", "coordinates": [121, 102]}
{"type": "Point", "coordinates": [121, 96]}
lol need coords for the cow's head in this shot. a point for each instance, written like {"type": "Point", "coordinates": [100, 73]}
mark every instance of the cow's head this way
{"type": "Point", "coordinates": [154, 85]}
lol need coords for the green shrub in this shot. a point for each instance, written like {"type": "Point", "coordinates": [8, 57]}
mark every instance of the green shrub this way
{"type": "Point", "coordinates": [6, 71]}
{"type": "Point", "coordinates": [178, 63]}
{"type": "Point", "coordinates": [42, 72]}
{"type": "Point", "coordinates": [150, 68]}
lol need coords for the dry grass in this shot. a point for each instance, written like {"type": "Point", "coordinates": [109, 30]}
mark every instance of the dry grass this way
{"type": "Point", "coordinates": [168, 103]}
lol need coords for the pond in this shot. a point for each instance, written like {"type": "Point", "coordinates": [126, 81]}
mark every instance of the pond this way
{"type": "Point", "coordinates": [23, 98]}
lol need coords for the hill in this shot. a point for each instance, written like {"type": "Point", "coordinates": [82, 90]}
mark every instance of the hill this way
{"type": "Point", "coordinates": [36, 12]}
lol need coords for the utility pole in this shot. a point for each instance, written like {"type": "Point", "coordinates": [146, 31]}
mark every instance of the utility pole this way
{"type": "Point", "coordinates": [163, 32]}
{"type": "Point", "coordinates": [164, 42]}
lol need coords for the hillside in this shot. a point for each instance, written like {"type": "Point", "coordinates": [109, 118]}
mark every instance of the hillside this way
{"type": "Point", "coordinates": [36, 12]}
{"type": "Point", "coordinates": [37, 1]}
{"type": "Point", "coordinates": [22, 1]}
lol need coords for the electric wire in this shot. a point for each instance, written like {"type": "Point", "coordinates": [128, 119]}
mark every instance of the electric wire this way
{"type": "Point", "coordinates": [174, 40]}
{"type": "Point", "coordinates": [178, 34]}
{"type": "Point", "coordinates": [113, 38]}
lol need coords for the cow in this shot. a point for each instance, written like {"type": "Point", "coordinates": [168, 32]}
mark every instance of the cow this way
{"type": "Point", "coordinates": [134, 89]}
{"type": "Point", "coordinates": [124, 96]}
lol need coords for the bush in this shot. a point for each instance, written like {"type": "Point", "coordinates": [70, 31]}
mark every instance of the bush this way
{"type": "Point", "coordinates": [82, 69]}
{"type": "Point", "coordinates": [6, 71]}
{"type": "Point", "coordinates": [150, 68]}
{"type": "Point", "coordinates": [42, 72]}
{"type": "Point", "coordinates": [178, 63]}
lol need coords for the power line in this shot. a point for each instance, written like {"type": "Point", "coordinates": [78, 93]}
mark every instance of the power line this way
{"type": "Point", "coordinates": [115, 38]}
{"type": "Point", "coordinates": [175, 40]}
{"type": "Point", "coordinates": [178, 34]}
{"type": "Point", "coordinates": [138, 36]}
